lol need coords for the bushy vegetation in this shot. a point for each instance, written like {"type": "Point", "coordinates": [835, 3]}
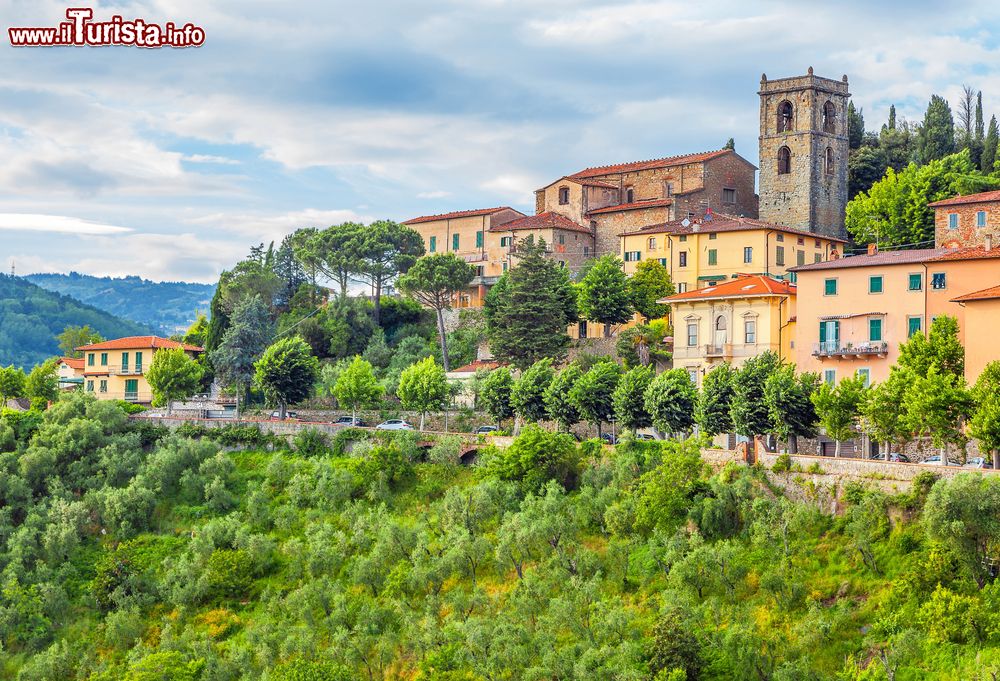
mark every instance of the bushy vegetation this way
{"type": "Point", "coordinates": [138, 555]}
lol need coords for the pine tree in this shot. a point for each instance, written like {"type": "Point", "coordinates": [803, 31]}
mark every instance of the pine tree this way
{"type": "Point", "coordinates": [989, 155]}
{"type": "Point", "coordinates": [937, 133]}
{"type": "Point", "coordinates": [855, 126]}
{"type": "Point", "coordinates": [892, 117]}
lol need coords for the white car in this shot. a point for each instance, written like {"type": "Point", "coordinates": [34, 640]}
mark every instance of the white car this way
{"type": "Point", "coordinates": [394, 424]}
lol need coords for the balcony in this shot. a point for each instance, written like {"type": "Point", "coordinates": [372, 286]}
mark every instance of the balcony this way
{"type": "Point", "coordinates": [125, 371]}
{"type": "Point", "coordinates": [840, 350]}
{"type": "Point", "coordinates": [484, 281]}
{"type": "Point", "coordinates": [724, 351]}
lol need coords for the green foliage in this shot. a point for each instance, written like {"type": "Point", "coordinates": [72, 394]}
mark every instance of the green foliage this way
{"type": "Point", "coordinates": [985, 422]}
{"type": "Point", "coordinates": [629, 399]}
{"type": "Point", "coordinates": [789, 401]}
{"type": "Point", "coordinates": [423, 387]}
{"type": "Point", "coordinates": [748, 409]}
{"type": "Point", "coordinates": [496, 394]}
{"type": "Point", "coordinates": [935, 406]}
{"type": "Point", "coordinates": [642, 344]}
{"type": "Point", "coordinates": [650, 283]}
{"type": "Point", "coordinates": [73, 337]}
{"type": "Point", "coordinates": [242, 344]}
{"type": "Point", "coordinates": [528, 394]}
{"type": "Point", "coordinates": [941, 348]}
{"type": "Point", "coordinates": [882, 408]}
{"type": "Point", "coordinates": [433, 281]}
{"type": "Point", "coordinates": [963, 513]}
{"type": "Point", "coordinates": [837, 407]}
{"type": "Point", "coordinates": [603, 294]}
{"type": "Point", "coordinates": [674, 648]}
{"type": "Point", "coordinates": [559, 404]}
{"type": "Point", "coordinates": [715, 400]}
{"type": "Point", "coordinates": [173, 375]}
{"type": "Point", "coordinates": [12, 380]}
{"type": "Point", "coordinates": [42, 384]}
{"type": "Point", "coordinates": [670, 401]}
{"type": "Point", "coordinates": [311, 443]}
{"type": "Point", "coordinates": [357, 387]}
{"type": "Point", "coordinates": [593, 393]}
{"type": "Point", "coordinates": [529, 308]}
{"type": "Point", "coordinates": [535, 457]}
{"type": "Point", "coordinates": [286, 372]}
{"type": "Point", "coordinates": [936, 138]}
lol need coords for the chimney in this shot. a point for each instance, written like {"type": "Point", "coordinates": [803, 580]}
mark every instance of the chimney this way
{"type": "Point", "coordinates": [872, 249]}
{"type": "Point", "coordinates": [834, 254]}
{"type": "Point", "coordinates": [988, 243]}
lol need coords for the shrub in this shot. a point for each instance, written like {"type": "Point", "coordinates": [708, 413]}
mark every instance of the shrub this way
{"type": "Point", "coordinates": [535, 457]}
{"type": "Point", "coordinates": [311, 443]}
{"type": "Point", "coordinates": [446, 451]}
{"type": "Point", "coordinates": [310, 670]}
{"type": "Point", "coordinates": [782, 464]}
{"type": "Point", "coordinates": [229, 573]}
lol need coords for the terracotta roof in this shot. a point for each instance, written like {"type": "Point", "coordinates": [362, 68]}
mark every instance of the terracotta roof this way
{"type": "Point", "coordinates": [753, 286]}
{"type": "Point", "coordinates": [598, 171]}
{"type": "Point", "coordinates": [476, 366]}
{"type": "Point", "coordinates": [458, 214]}
{"type": "Point", "coordinates": [968, 253]}
{"type": "Point", "coordinates": [981, 197]}
{"type": "Point", "coordinates": [986, 294]}
{"type": "Point", "coordinates": [635, 205]}
{"type": "Point", "coordinates": [546, 220]}
{"type": "Point", "coordinates": [139, 343]}
{"type": "Point", "coordinates": [722, 222]}
{"type": "Point", "coordinates": [72, 362]}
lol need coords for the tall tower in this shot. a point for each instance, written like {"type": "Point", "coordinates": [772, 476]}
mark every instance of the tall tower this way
{"type": "Point", "coordinates": [803, 152]}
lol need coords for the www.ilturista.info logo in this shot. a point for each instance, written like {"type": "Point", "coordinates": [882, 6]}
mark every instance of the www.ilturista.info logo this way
{"type": "Point", "coordinates": [81, 31]}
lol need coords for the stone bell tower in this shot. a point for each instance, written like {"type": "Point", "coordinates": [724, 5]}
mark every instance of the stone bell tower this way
{"type": "Point", "coordinates": [803, 152]}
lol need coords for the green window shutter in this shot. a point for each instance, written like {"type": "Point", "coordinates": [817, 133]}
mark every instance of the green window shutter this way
{"type": "Point", "coordinates": [479, 239]}
{"type": "Point", "coordinates": [916, 282]}
{"type": "Point", "coordinates": [124, 360]}
{"type": "Point", "coordinates": [138, 361]}
{"type": "Point", "coordinates": [713, 256]}
{"type": "Point", "coordinates": [104, 359]}
{"type": "Point", "coordinates": [822, 332]}
{"type": "Point", "coordinates": [90, 359]}
{"type": "Point", "coordinates": [912, 326]}
{"type": "Point", "coordinates": [454, 242]}
{"type": "Point", "coordinates": [875, 284]}
{"type": "Point", "coordinates": [433, 245]}
{"type": "Point", "coordinates": [875, 330]}
{"type": "Point", "coordinates": [830, 287]}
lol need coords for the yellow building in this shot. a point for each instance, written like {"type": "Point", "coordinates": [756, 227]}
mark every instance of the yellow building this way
{"type": "Point", "coordinates": [116, 369]}
{"type": "Point", "coordinates": [732, 321]}
{"type": "Point", "coordinates": [982, 328]}
{"type": "Point", "coordinates": [70, 372]}
{"type": "Point", "coordinates": [717, 247]}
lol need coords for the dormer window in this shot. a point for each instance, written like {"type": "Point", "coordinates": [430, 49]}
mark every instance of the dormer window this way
{"type": "Point", "coordinates": [563, 196]}
{"type": "Point", "coordinates": [785, 113]}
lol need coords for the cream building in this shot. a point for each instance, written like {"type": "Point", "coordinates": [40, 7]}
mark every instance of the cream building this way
{"type": "Point", "coordinates": [116, 369]}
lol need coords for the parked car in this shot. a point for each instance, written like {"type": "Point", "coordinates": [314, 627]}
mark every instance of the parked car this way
{"type": "Point", "coordinates": [610, 438]}
{"type": "Point", "coordinates": [354, 421]}
{"type": "Point", "coordinates": [895, 457]}
{"type": "Point", "coordinates": [394, 424]}
{"type": "Point", "coordinates": [978, 462]}
{"type": "Point", "coordinates": [276, 414]}
{"type": "Point", "coordinates": [936, 461]}
{"type": "Point", "coordinates": [644, 436]}
{"type": "Point", "coordinates": [483, 430]}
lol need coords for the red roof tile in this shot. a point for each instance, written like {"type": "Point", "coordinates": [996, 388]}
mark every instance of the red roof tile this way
{"type": "Point", "coordinates": [981, 197]}
{"type": "Point", "coordinates": [752, 286]}
{"type": "Point", "coordinates": [72, 362]}
{"type": "Point", "coordinates": [635, 205]}
{"type": "Point", "coordinates": [598, 171]}
{"type": "Point", "coordinates": [139, 343]}
{"type": "Point", "coordinates": [546, 220]}
{"type": "Point", "coordinates": [722, 222]}
{"type": "Point", "coordinates": [968, 253]}
{"type": "Point", "coordinates": [903, 257]}
{"type": "Point", "coordinates": [986, 294]}
{"type": "Point", "coordinates": [473, 367]}
{"type": "Point", "coordinates": [459, 214]}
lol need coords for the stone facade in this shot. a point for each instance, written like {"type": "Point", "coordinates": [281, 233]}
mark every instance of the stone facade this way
{"type": "Point", "coordinates": [967, 221]}
{"type": "Point", "coordinates": [803, 152]}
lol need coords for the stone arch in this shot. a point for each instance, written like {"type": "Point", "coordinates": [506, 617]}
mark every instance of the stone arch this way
{"type": "Point", "coordinates": [828, 161]}
{"type": "Point", "coordinates": [786, 116]}
{"type": "Point", "coordinates": [784, 161]}
{"type": "Point", "coordinates": [829, 117]}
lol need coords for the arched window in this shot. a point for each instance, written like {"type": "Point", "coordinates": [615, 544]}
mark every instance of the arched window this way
{"type": "Point", "coordinates": [785, 116]}
{"type": "Point", "coordinates": [784, 161]}
{"type": "Point", "coordinates": [720, 323]}
{"type": "Point", "coordinates": [829, 160]}
{"type": "Point", "coordinates": [629, 195]}
{"type": "Point", "coordinates": [829, 117]}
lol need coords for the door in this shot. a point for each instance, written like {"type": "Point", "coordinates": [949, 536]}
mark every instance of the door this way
{"type": "Point", "coordinates": [132, 390]}
{"type": "Point", "coordinates": [721, 337]}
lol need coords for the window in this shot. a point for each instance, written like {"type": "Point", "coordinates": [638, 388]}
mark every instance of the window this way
{"type": "Point", "coordinates": [913, 325]}
{"type": "Point", "coordinates": [479, 239]}
{"type": "Point", "coordinates": [581, 329]}
{"type": "Point", "coordinates": [875, 284]}
{"type": "Point", "coordinates": [779, 256]}
{"type": "Point", "coordinates": [981, 218]}
{"type": "Point", "coordinates": [784, 161]}
{"type": "Point", "coordinates": [713, 236]}
{"type": "Point", "coordinates": [800, 241]}
{"type": "Point", "coordinates": [830, 376]}
{"type": "Point", "coordinates": [586, 250]}
{"type": "Point", "coordinates": [829, 161]}
{"type": "Point", "coordinates": [633, 256]}
{"type": "Point", "coordinates": [729, 196]}
{"type": "Point", "coordinates": [505, 267]}
{"type": "Point", "coordinates": [562, 264]}
{"type": "Point", "coordinates": [692, 334]}
{"type": "Point", "coordinates": [90, 359]}
{"type": "Point", "coordinates": [480, 271]}
{"type": "Point", "coordinates": [779, 237]}
{"type": "Point", "coordinates": [138, 362]}
{"type": "Point", "coordinates": [800, 257]}
{"type": "Point", "coordinates": [454, 241]}
{"type": "Point", "coordinates": [682, 287]}
{"type": "Point", "coordinates": [663, 261]}
{"type": "Point", "coordinates": [875, 330]}
{"type": "Point", "coordinates": [670, 189]}
{"type": "Point", "coordinates": [90, 386]}
{"type": "Point", "coordinates": [563, 196]}
{"type": "Point", "coordinates": [829, 335]}
{"type": "Point", "coordinates": [829, 117]}
{"type": "Point", "coordinates": [817, 257]}
{"type": "Point", "coordinates": [693, 375]}
{"type": "Point", "coordinates": [132, 389]}
{"type": "Point", "coordinates": [748, 254]}
{"type": "Point", "coordinates": [830, 287]}
{"type": "Point", "coordinates": [817, 244]}
{"type": "Point", "coordinates": [916, 282]}
{"type": "Point", "coordinates": [682, 259]}
{"type": "Point", "coordinates": [124, 361]}
{"type": "Point", "coordinates": [713, 256]}
{"type": "Point", "coordinates": [866, 376]}
{"type": "Point", "coordinates": [952, 220]}
{"type": "Point", "coordinates": [785, 113]}
{"type": "Point", "coordinates": [652, 243]}
{"type": "Point", "coordinates": [750, 330]}
{"type": "Point", "coordinates": [104, 359]}
{"type": "Point", "coordinates": [939, 281]}
{"type": "Point", "coordinates": [683, 237]}
{"type": "Point", "coordinates": [562, 239]}
{"type": "Point", "coordinates": [629, 195]}
{"type": "Point", "coordinates": [433, 245]}
{"type": "Point", "coordinates": [103, 387]}
{"type": "Point", "coordinates": [506, 241]}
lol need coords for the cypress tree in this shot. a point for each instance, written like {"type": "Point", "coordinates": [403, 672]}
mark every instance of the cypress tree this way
{"type": "Point", "coordinates": [990, 147]}
{"type": "Point", "coordinates": [937, 133]}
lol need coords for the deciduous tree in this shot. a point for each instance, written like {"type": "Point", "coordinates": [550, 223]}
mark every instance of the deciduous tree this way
{"type": "Point", "coordinates": [789, 401]}
{"type": "Point", "coordinates": [286, 372]}
{"type": "Point", "coordinates": [42, 384]}
{"type": "Point", "coordinates": [748, 410]}
{"type": "Point", "coordinates": [650, 283]}
{"type": "Point", "coordinates": [423, 387]}
{"type": "Point", "coordinates": [670, 401]}
{"type": "Point", "coordinates": [357, 387]}
{"type": "Point", "coordinates": [74, 337]}
{"type": "Point", "coordinates": [985, 422]}
{"type": "Point", "coordinates": [528, 394]}
{"type": "Point", "coordinates": [837, 408]}
{"type": "Point", "coordinates": [963, 512]}
{"type": "Point", "coordinates": [715, 401]}
{"type": "Point", "coordinates": [593, 393]}
{"type": "Point", "coordinates": [629, 399]}
{"type": "Point", "coordinates": [936, 406]}
{"type": "Point", "coordinates": [558, 401]}
{"type": "Point", "coordinates": [604, 293]}
{"type": "Point", "coordinates": [173, 375]}
{"type": "Point", "coordinates": [496, 394]}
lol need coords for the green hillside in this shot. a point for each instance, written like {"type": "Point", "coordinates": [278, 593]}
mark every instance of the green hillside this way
{"type": "Point", "coordinates": [166, 307]}
{"type": "Point", "coordinates": [127, 553]}
{"type": "Point", "coordinates": [31, 317]}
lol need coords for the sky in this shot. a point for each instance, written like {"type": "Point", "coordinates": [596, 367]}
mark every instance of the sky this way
{"type": "Point", "coordinates": [171, 163]}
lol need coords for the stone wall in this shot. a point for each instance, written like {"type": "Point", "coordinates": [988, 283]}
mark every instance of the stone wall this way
{"type": "Point", "coordinates": [967, 234]}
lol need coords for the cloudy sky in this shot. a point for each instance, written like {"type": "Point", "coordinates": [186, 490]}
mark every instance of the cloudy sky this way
{"type": "Point", "coordinates": [171, 163]}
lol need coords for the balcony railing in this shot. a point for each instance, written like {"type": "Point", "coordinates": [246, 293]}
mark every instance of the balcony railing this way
{"type": "Point", "coordinates": [724, 350]}
{"type": "Point", "coordinates": [849, 350]}
{"type": "Point", "coordinates": [126, 371]}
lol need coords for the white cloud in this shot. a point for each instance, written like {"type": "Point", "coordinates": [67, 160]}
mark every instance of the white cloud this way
{"type": "Point", "coordinates": [439, 194]}
{"type": "Point", "coordinates": [273, 227]}
{"type": "Point", "coordinates": [60, 224]}
{"type": "Point", "coordinates": [208, 158]}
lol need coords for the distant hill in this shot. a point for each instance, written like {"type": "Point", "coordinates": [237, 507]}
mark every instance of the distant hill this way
{"type": "Point", "coordinates": [31, 317]}
{"type": "Point", "coordinates": [166, 307]}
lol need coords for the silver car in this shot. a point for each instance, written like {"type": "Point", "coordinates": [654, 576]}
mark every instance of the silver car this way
{"type": "Point", "coordinates": [394, 424]}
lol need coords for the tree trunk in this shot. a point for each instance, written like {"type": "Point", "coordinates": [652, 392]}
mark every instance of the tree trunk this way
{"type": "Point", "coordinates": [444, 340]}
{"type": "Point", "coordinates": [793, 444]}
{"type": "Point", "coordinates": [170, 407]}
{"type": "Point", "coordinates": [422, 420]}
{"type": "Point", "coordinates": [282, 410]}
{"type": "Point", "coordinates": [836, 450]}
{"type": "Point", "coordinates": [996, 459]}
{"type": "Point", "coordinates": [377, 311]}
{"type": "Point", "coordinates": [237, 403]}
{"type": "Point", "coordinates": [446, 420]}
{"type": "Point", "coordinates": [944, 455]}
